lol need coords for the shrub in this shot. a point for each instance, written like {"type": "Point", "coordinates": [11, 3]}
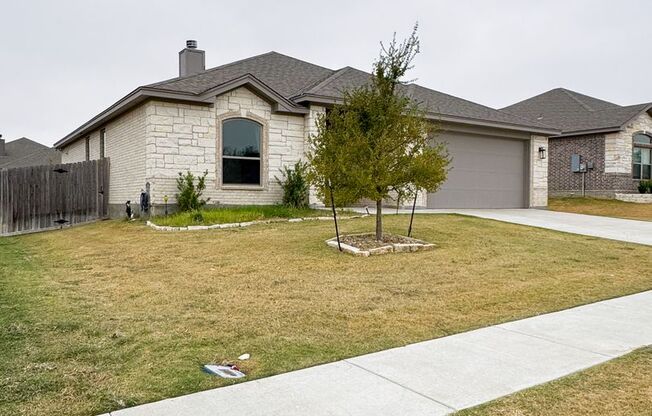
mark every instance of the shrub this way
{"type": "Point", "coordinates": [197, 217]}
{"type": "Point", "coordinates": [295, 185]}
{"type": "Point", "coordinates": [189, 195]}
{"type": "Point", "coordinates": [645, 187]}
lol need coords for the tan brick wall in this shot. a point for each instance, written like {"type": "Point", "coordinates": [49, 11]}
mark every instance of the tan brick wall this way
{"type": "Point", "coordinates": [74, 152]}
{"type": "Point", "coordinates": [125, 146]}
{"type": "Point", "coordinates": [538, 172]}
{"type": "Point", "coordinates": [184, 137]}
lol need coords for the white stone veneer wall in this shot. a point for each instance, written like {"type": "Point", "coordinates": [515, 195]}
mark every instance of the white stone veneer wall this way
{"type": "Point", "coordinates": [538, 172]}
{"type": "Point", "coordinates": [124, 144]}
{"type": "Point", "coordinates": [310, 129]}
{"type": "Point", "coordinates": [618, 146]}
{"type": "Point", "coordinates": [183, 137]}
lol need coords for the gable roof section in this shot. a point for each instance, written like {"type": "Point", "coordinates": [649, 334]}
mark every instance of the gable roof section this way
{"type": "Point", "coordinates": [288, 83]}
{"type": "Point", "coordinates": [574, 113]}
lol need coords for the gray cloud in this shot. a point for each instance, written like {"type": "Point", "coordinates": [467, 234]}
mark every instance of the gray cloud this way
{"type": "Point", "coordinates": [65, 61]}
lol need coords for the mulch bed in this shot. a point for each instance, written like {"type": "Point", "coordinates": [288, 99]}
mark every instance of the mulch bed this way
{"type": "Point", "coordinates": [368, 241]}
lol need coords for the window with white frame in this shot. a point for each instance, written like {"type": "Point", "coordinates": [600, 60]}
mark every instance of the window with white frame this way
{"type": "Point", "coordinates": [241, 150]}
{"type": "Point", "coordinates": [642, 157]}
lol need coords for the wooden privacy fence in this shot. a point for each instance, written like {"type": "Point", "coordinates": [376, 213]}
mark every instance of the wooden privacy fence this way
{"type": "Point", "coordinates": [43, 197]}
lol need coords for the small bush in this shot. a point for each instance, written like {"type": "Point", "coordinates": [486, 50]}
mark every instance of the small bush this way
{"type": "Point", "coordinates": [189, 195]}
{"type": "Point", "coordinates": [295, 185]}
{"type": "Point", "coordinates": [197, 217]}
{"type": "Point", "coordinates": [645, 187]}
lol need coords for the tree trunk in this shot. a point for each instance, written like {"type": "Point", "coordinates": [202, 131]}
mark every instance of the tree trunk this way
{"type": "Point", "coordinates": [379, 220]}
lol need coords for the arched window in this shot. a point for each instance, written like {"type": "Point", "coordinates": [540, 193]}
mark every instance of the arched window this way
{"type": "Point", "coordinates": [642, 157]}
{"type": "Point", "coordinates": [241, 148]}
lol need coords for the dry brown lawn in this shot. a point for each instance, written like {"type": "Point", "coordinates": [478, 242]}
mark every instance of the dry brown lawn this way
{"type": "Point", "coordinates": [114, 314]}
{"type": "Point", "coordinates": [602, 207]}
{"type": "Point", "coordinates": [622, 387]}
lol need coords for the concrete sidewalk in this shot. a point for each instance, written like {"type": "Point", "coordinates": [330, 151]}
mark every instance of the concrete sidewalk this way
{"type": "Point", "coordinates": [630, 231]}
{"type": "Point", "coordinates": [440, 376]}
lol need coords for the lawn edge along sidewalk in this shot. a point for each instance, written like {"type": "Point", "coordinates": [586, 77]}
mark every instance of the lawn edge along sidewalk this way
{"type": "Point", "coordinates": [440, 376]}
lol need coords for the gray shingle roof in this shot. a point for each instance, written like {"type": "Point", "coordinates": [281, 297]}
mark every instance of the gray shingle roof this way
{"type": "Point", "coordinates": [286, 75]}
{"type": "Point", "coordinates": [25, 152]}
{"type": "Point", "coordinates": [573, 112]}
{"type": "Point", "coordinates": [292, 78]}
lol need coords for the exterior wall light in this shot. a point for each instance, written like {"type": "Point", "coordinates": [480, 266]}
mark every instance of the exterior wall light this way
{"type": "Point", "coordinates": [542, 152]}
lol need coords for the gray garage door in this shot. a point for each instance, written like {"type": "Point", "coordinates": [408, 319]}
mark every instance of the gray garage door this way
{"type": "Point", "coordinates": [486, 172]}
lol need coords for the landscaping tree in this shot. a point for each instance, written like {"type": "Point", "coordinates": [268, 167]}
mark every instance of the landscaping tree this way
{"type": "Point", "coordinates": [377, 142]}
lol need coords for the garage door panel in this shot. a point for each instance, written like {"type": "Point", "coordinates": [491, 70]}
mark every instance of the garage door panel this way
{"type": "Point", "coordinates": [486, 172]}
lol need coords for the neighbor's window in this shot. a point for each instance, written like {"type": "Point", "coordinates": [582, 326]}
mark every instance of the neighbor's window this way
{"type": "Point", "coordinates": [641, 160]}
{"type": "Point", "coordinates": [241, 143]}
{"type": "Point", "coordinates": [102, 137]}
{"type": "Point", "coordinates": [88, 147]}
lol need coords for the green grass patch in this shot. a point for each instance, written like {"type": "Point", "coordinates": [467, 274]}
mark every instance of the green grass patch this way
{"type": "Point", "coordinates": [619, 387]}
{"type": "Point", "coordinates": [602, 207]}
{"type": "Point", "coordinates": [227, 215]}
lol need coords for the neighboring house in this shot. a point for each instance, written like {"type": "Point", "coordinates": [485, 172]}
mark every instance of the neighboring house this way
{"type": "Point", "coordinates": [25, 152]}
{"type": "Point", "coordinates": [243, 121]}
{"type": "Point", "coordinates": [613, 142]}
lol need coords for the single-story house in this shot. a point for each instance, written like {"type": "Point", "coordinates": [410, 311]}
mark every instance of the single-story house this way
{"type": "Point", "coordinates": [603, 148]}
{"type": "Point", "coordinates": [25, 152]}
{"type": "Point", "coordinates": [245, 120]}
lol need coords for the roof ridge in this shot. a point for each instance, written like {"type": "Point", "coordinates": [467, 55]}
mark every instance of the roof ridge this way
{"type": "Point", "coordinates": [210, 69]}
{"type": "Point", "coordinates": [571, 95]}
{"type": "Point", "coordinates": [525, 120]}
{"type": "Point", "coordinates": [332, 77]}
{"type": "Point", "coordinates": [235, 63]}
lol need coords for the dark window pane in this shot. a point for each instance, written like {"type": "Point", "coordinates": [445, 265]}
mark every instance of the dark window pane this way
{"type": "Point", "coordinates": [642, 138]}
{"type": "Point", "coordinates": [646, 172]}
{"type": "Point", "coordinates": [241, 171]}
{"type": "Point", "coordinates": [241, 138]}
{"type": "Point", "coordinates": [637, 155]}
{"type": "Point", "coordinates": [636, 171]}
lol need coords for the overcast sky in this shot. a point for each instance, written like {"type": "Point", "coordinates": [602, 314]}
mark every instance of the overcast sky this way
{"type": "Point", "coordinates": [65, 61]}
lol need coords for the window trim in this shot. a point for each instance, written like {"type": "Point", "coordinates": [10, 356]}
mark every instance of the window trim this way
{"type": "Point", "coordinates": [641, 146]}
{"type": "Point", "coordinates": [102, 143]}
{"type": "Point", "coordinates": [263, 152]}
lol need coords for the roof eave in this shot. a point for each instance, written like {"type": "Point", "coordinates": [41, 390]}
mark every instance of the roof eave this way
{"type": "Point", "coordinates": [126, 103]}
{"type": "Point", "coordinates": [141, 94]}
{"type": "Point", "coordinates": [326, 100]}
{"type": "Point", "coordinates": [588, 131]}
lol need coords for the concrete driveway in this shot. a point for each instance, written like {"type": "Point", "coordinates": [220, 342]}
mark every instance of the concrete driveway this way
{"type": "Point", "coordinates": [630, 231]}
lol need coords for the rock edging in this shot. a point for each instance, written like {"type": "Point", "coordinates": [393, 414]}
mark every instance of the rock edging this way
{"type": "Point", "coordinates": [245, 224]}
{"type": "Point", "coordinates": [636, 198]}
{"type": "Point", "coordinates": [417, 245]}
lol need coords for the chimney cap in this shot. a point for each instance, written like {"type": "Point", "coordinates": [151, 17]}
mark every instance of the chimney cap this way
{"type": "Point", "coordinates": [191, 44]}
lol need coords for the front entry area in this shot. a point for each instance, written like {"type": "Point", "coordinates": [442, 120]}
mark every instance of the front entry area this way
{"type": "Point", "coordinates": [486, 172]}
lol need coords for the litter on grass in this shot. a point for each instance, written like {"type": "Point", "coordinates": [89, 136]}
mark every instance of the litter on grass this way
{"type": "Point", "coordinates": [224, 371]}
{"type": "Point", "coordinates": [244, 357]}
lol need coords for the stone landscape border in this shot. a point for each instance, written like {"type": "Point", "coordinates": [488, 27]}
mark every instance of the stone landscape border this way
{"type": "Point", "coordinates": [417, 245]}
{"type": "Point", "coordinates": [636, 198]}
{"type": "Point", "coordinates": [246, 224]}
